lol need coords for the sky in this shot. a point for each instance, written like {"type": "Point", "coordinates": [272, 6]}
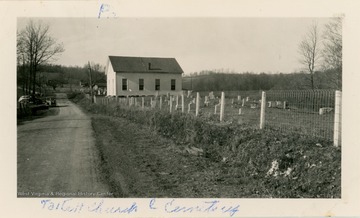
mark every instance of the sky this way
{"type": "Point", "coordinates": [256, 45]}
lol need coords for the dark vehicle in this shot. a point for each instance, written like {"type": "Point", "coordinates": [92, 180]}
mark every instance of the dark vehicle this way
{"type": "Point", "coordinates": [37, 104]}
{"type": "Point", "coordinates": [33, 103]}
{"type": "Point", "coordinates": [24, 98]}
{"type": "Point", "coordinates": [50, 101]}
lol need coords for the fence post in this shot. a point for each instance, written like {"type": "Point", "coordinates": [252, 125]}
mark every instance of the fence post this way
{"type": "Point", "coordinates": [243, 102]}
{"type": "Point", "coordinates": [95, 99]}
{"type": "Point", "coordinates": [160, 102]}
{"type": "Point", "coordinates": [262, 111]}
{"type": "Point", "coordinates": [182, 103]}
{"type": "Point", "coordinates": [142, 102]}
{"type": "Point", "coordinates": [171, 104]}
{"type": "Point", "coordinates": [222, 106]}
{"type": "Point", "coordinates": [177, 102]}
{"type": "Point", "coordinates": [197, 104]}
{"type": "Point", "coordinates": [337, 119]}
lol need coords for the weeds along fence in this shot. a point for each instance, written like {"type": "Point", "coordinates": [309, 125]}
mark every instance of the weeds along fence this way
{"type": "Point", "coordinates": [316, 113]}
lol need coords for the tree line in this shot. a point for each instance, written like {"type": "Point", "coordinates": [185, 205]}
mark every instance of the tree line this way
{"type": "Point", "coordinates": [50, 76]}
{"type": "Point", "coordinates": [217, 81]}
{"type": "Point", "coordinates": [36, 50]}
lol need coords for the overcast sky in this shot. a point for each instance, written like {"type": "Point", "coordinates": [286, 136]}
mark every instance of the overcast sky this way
{"type": "Point", "coordinates": [237, 44]}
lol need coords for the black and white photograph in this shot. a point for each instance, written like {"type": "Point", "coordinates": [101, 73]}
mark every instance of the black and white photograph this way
{"type": "Point", "coordinates": [179, 107]}
{"type": "Point", "coordinates": [191, 115]}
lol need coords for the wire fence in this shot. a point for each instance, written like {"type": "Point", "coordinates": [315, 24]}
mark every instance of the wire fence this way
{"type": "Point", "coordinates": [316, 113]}
{"type": "Point", "coordinates": [311, 112]}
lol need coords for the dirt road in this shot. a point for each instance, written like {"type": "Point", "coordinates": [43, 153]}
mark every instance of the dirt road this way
{"type": "Point", "coordinates": [56, 155]}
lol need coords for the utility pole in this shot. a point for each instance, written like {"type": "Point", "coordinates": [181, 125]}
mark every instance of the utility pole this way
{"type": "Point", "coordinates": [91, 90]}
{"type": "Point", "coordinates": [191, 82]}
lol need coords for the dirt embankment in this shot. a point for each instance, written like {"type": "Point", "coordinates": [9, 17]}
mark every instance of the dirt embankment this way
{"type": "Point", "coordinates": [140, 163]}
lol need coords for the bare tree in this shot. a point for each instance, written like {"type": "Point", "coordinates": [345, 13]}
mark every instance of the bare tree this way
{"type": "Point", "coordinates": [97, 72]}
{"type": "Point", "coordinates": [37, 47]}
{"type": "Point", "coordinates": [22, 77]}
{"type": "Point", "coordinates": [332, 52]}
{"type": "Point", "coordinates": [309, 50]}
